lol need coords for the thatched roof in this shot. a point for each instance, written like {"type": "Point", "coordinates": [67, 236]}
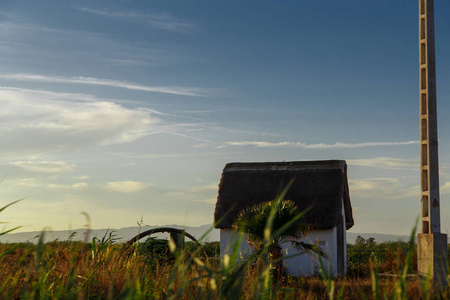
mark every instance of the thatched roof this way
{"type": "Point", "coordinates": [320, 185]}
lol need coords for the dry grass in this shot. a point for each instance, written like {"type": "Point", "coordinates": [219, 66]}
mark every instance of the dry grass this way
{"type": "Point", "coordinates": [104, 270]}
{"type": "Point", "coordinates": [72, 270]}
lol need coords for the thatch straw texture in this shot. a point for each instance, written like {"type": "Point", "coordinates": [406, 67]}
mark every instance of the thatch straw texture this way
{"type": "Point", "coordinates": [318, 185]}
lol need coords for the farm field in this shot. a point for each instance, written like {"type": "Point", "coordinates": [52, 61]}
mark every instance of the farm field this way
{"type": "Point", "coordinates": [103, 269]}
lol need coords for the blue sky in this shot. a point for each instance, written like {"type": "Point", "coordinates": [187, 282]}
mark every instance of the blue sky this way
{"type": "Point", "coordinates": [129, 110]}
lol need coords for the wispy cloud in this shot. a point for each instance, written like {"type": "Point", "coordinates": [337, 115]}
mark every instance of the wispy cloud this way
{"type": "Point", "coordinates": [238, 131]}
{"type": "Point", "coordinates": [35, 123]}
{"type": "Point", "coordinates": [127, 187]}
{"type": "Point", "coordinates": [28, 182]}
{"type": "Point", "coordinates": [51, 95]}
{"type": "Point", "coordinates": [28, 43]}
{"type": "Point", "coordinates": [445, 188]}
{"type": "Point", "coordinates": [44, 166]}
{"type": "Point", "coordinates": [75, 97]}
{"type": "Point", "coordinates": [10, 28]}
{"type": "Point", "coordinates": [386, 163]}
{"type": "Point", "coordinates": [133, 155]}
{"type": "Point", "coordinates": [34, 182]}
{"type": "Point", "coordinates": [162, 21]}
{"type": "Point", "coordinates": [318, 146]}
{"type": "Point", "coordinates": [383, 188]}
{"type": "Point", "coordinates": [129, 62]}
{"type": "Point", "coordinates": [210, 201]}
{"type": "Point", "coordinates": [77, 185]}
{"type": "Point", "coordinates": [204, 188]}
{"type": "Point", "coordinates": [175, 90]}
{"type": "Point", "coordinates": [204, 141]}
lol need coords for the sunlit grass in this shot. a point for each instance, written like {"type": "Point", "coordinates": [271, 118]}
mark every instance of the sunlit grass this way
{"type": "Point", "coordinates": [104, 269]}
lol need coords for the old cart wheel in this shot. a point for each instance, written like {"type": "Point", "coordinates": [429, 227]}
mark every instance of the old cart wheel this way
{"type": "Point", "coordinates": [165, 229]}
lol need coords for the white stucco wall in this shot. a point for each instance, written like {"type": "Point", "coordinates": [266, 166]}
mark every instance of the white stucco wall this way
{"type": "Point", "coordinates": [228, 238]}
{"type": "Point", "coordinates": [304, 264]}
{"type": "Point", "coordinates": [308, 264]}
{"type": "Point", "coordinates": [344, 225]}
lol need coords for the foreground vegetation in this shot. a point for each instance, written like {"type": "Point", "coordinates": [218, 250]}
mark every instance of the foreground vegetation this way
{"type": "Point", "coordinates": [102, 269]}
{"type": "Point", "coordinates": [155, 269]}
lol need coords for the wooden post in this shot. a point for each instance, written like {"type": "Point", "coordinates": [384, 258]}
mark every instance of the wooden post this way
{"type": "Point", "coordinates": [178, 239]}
{"type": "Point", "coordinates": [432, 244]}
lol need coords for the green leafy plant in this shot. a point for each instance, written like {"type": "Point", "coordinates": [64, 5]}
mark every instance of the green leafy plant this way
{"type": "Point", "coordinates": [270, 224]}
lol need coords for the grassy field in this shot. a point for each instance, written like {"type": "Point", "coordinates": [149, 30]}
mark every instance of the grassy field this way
{"type": "Point", "coordinates": [102, 269]}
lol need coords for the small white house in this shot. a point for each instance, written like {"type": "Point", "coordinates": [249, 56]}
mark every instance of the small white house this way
{"type": "Point", "coordinates": [321, 186]}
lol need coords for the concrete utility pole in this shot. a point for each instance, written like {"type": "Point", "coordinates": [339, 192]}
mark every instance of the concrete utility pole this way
{"type": "Point", "coordinates": [431, 243]}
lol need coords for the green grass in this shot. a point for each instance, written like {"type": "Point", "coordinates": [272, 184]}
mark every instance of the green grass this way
{"type": "Point", "coordinates": [104, 269]}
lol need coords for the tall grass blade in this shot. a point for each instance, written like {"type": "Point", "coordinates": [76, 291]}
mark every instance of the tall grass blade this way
{"type": "Point", "coordinates": [8, 205]}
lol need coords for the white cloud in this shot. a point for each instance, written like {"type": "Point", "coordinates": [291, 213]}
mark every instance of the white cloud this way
{"type": "Point", "coordinates": [210, 201]}
{"type": "Point", "coordinates": [77, 185]}
{"type": "Point", "coordinates": [176, 90]}
{"type": "Point", "coordinates": [365, 188]}
{"type": "Point", "coordinates": [132, 155]}
{"type": "Point", "coordinates": [445, 188]}
{"type": "Point", "coordinates": [128, 62]}
{"type": "Point", "coordinates": [28, 182]}
{"type": "Point", "coordinates": [386, 163]}
{"type": "Point", "coordinates": [382, 188]}
{"type": "Point", "coordinates": [44, 166]}
{"type": "Point", "coordinates": [162, 21]}
{"type": "Point", "coordinates": [320, 146]}
{"type": "Point", "coordinates": [205, 188]}
{"type": "Point", "coordinates": [31, 41]}
{"type": "Point", "coordinates": [34, 123]}
{"type": "Point", "coordinates": [49, 95]}
{"type": "Point", "coordinates": [127, 187]}
{"type": "Point", "coordinates": [203, 145]}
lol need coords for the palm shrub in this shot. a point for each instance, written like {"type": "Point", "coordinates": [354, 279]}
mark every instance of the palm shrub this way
{"type": "Point", "coordinates": [274, 222]}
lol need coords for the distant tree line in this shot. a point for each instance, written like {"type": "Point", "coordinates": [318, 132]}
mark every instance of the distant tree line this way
{"type": "Point", "coordinates": [362, 241]}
